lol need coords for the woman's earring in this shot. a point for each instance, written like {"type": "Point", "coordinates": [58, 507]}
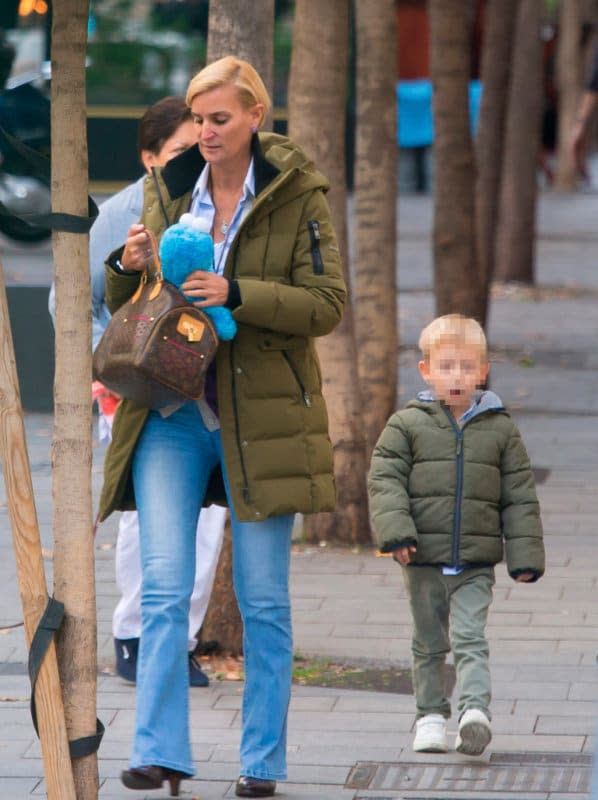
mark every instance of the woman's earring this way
{"type": "Point", "coordinates": [253, 129]}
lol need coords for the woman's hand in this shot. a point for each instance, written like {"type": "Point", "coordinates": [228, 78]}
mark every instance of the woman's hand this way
{"type": "Point", "coordinates": [137, 254]}
{"type": "Point", "coordinates": [211, 288]}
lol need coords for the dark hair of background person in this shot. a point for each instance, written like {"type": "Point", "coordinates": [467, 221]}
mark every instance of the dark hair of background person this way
{"type": "Point", "coordinates": [159, 123]}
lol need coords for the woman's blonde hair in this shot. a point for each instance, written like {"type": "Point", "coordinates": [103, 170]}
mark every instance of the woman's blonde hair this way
{"type": "Point", "coordinates": [236, 72]}
{"type": "Point", "coordinates": [453, 329]}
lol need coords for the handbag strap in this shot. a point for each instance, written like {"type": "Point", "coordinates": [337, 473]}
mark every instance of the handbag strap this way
{"type": "Point", "coordinates": [155, 254]}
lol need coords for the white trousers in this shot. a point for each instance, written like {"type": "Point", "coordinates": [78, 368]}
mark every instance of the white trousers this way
{"type": "Point", "coordinates": [126, 620]}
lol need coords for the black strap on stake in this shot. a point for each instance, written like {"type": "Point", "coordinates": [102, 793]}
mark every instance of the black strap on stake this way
{"type": "Point", "coordinates": [48, 625]}
{"type": "Point", "coordinates": [58, 221]}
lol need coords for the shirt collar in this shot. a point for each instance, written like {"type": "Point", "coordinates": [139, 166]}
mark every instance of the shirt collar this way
{"type": "Point", "coordinates": [201, 191]}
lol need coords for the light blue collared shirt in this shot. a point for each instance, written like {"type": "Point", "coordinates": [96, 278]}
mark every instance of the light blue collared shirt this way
{"type": "Point", "coordinates": [202, 206]}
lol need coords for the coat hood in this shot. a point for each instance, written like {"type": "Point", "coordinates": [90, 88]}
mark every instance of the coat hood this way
{"type": "Point", "coordinates": [483, 401]}
{"type": "Point", "coordinates": [275, 157]}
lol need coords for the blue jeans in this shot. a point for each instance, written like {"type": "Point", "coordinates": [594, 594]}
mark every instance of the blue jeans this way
{"type": "Point", "coordinates": [171, 466]}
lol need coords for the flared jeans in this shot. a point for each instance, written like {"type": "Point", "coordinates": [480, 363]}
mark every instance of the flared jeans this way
{"type": "Point", "coordinates": [171, 467]}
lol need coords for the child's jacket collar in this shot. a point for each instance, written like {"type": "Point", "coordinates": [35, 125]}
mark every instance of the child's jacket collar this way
{"type": "Point", "coordinates": [483, 401]}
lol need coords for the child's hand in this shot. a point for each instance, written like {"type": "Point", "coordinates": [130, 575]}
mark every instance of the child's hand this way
{"type": "Point", "coordinates": [401, 554]}
{"type": "Point", "coordinates": [524, 577]}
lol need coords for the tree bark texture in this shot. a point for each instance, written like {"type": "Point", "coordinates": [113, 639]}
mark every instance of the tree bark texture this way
{"type": "Point", "coordinates": [456, 281]}
{"type": "Point", "coordinates": [74, 576]}
{"type": "Point", "coordinates": [375, 214]}
{"type": "Point", "coordinates": [317, 96]}
{"type": "Point", "coordinates": [569, 80]}
{"type": "Point", "coordinates": [515, 245]}
{"type": "Point", "coordinates": [232, 31]}
{"type": "Point", "coordinates": [222, 622]}
{"type": "Point", "coordinates": [497, 50]}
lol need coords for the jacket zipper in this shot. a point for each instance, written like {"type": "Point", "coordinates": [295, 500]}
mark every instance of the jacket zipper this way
{"type": "Point", "coordinates": [302, 389]}
{"type": "Point", "coordinates": [246, 495]}
{"type": "Point", "coordinates": [245, 490]}
{"type": "Point", "coordinates": [458, 490]}
{"type": "Point", "coordinates": [314, 236]}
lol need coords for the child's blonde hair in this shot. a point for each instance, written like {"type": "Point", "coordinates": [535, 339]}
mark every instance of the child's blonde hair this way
{"type": "Point", "coordinates": [453, 329]}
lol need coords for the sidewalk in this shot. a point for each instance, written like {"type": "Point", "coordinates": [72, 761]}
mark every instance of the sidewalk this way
{"type": "Point", "coordinates": [351, 606]}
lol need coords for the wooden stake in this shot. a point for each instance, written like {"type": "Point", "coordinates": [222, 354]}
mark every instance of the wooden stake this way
{"type": "Point", "coordinates": [30, 565]}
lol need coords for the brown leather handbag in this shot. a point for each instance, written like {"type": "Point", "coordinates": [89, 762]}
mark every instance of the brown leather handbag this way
{"type": "Point", "coordinates": [157, 347]}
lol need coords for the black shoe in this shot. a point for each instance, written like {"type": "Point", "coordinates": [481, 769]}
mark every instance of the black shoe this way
{"type": "Point", "coordinates": [144, 778]}
{"type": "Point", "coordinates": [126, 658]}
{"type": "Point", "coordinates": [197, 677]}
{"type": "Point", "coordinates": [254, 787]}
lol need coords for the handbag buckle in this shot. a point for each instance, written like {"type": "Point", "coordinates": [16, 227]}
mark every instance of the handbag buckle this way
{"type": "Point", "coordinates": [190, 327]}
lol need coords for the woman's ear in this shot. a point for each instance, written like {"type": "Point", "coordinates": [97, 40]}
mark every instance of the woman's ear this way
{"type": "Point", "coordinates": [257, 115]}
{"type": "Point", "coordinates": [148, 159]}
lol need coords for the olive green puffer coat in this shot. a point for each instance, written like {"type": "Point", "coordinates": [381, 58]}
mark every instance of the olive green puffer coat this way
{"type": "Point", "coordinates": [273, 419]}
{"type": "Point", "coordinates": [456, 493]}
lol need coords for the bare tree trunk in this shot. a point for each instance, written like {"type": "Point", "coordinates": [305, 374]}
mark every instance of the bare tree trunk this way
{"type": "Point", "coordinates": [375, 213]}
{"type": "Point", "coordinates": [496, 68]}
{"type": "Point", "coordinates": [74, 577]}
{"type": "Point", "coordinates": [515, 245]}
{"type": "Point", "coordinates": [456, 281]}
{"type": "Point", "coordinates": [569, 78]}
{"type": "Point", "coordinates": [30, 565]}
{"type": "Point", "coordinates": [234, 31]}
{"type": "Point", "coordinates": [231, 31]}
{"type": "Point", "coordinates": [223, 622]}
{"type": "Point", "coordinates": [317, 94]}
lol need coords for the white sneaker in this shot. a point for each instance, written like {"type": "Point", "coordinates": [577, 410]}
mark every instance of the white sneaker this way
{"type": "Point", "coordinates": [430, 734]}
{"type": "Point", "coordinates": [474, 733]}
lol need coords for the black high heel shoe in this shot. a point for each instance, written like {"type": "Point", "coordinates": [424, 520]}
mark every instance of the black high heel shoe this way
{"type": "Point", "coordinates": [254, 787]}
{"type": "Point", "coordinates": [152, 778]}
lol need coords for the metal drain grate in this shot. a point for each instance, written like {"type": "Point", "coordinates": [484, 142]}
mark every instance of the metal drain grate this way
{"type": "Point", "coordinates": [511, 774]}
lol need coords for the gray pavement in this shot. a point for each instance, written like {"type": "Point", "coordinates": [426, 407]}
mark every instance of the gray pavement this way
{"type": "Point", "coordinates": [350, 606]}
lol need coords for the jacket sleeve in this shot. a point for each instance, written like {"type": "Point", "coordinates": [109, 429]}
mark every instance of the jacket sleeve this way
{"type": "Point", "coordinates": [119, 288]}
{"type": "Point", "coordinates": [388, 479]}
{"type": "Point", "coordinates": [520, 511]}
{"type": "Point", "coordinates": [312, 305]}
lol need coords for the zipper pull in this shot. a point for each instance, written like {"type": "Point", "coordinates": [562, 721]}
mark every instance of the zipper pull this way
{"type": "Point", "coordinates": [307, 399]}
{"type": "Point", "coordinates": [459, 445]}
{"type": "Point", "coordinates": [314, 237]}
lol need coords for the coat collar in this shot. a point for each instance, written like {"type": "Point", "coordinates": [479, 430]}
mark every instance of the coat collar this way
{"type": "Point", "coordinates": [180, 174]}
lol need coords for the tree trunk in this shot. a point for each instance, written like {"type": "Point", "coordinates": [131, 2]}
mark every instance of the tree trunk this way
{"type": "Point", "coordinates": [231, 31]}
{"type": "Point", "coordinates": [317, 96]}
{"type": "Point", "coordinates": [30, 565]}
{"type": "Point", "coordinates": [74, 578]}
{"type": "Point", "coordinates": [516, 233]}
{"type": "Point", "coordinates": [497, 50]}
{"type": "Point", "coordinates": [222, 622]}
{"type": "Point", "coordinates": [569, 79]}
{"type": "Point", "coordinates": [456, 281]}
{"type": "Point", "coordinates": [375, 214]}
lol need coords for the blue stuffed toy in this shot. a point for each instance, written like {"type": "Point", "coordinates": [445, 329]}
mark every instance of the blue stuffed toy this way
{"type": "Point", "coordinates": [185, 247]}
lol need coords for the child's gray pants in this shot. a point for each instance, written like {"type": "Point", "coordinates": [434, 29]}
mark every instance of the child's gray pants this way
{"type": "Point", "coordinates": [449, 614]}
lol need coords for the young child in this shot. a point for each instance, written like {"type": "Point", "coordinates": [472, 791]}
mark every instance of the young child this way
{"type": "Point", "coordinates": [450, 485]}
